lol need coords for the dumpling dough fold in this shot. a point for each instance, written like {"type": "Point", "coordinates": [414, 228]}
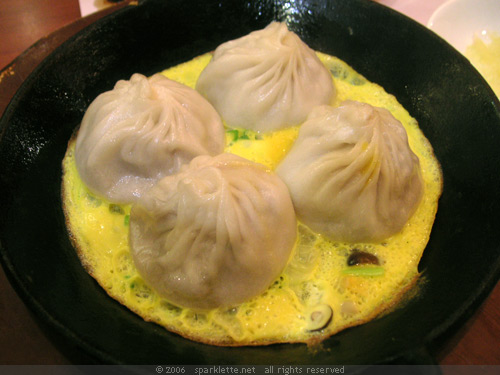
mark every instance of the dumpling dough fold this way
{"type": "Point", "coordinates": [267, 80]}
{"type": "Point", "coordinates": [140, 131]}
{"type": "Point", "coordinates": [351, 173]}
{"type": "Point", "coordinates": [216, 234]}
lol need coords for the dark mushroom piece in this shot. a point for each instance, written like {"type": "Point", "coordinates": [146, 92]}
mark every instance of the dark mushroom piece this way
{"type": "Point", "coordinates": [358, 257]}
{"type": "Point", "coordinates": [319, 318]}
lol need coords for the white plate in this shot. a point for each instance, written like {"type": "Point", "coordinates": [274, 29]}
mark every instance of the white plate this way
{"type": "Point", "coordinates": [457, 21]}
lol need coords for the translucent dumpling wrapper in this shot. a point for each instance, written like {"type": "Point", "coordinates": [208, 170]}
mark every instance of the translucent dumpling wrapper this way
{"type": "Point", "coordinates": [140, 131]}
{"type": "Point", "coordinates": [216, 234]}
{"type": "Point", "coordinates": [267, 80]}
{"type": "Point", "coordinates": [351, 173]}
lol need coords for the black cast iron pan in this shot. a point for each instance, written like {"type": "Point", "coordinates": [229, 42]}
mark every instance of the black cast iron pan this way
{"type": "Point", "coordinates": [457, 111]}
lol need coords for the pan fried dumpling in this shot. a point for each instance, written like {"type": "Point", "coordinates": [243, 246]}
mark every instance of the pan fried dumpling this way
{"type": "Point", "coordinates": [266, 80]}
{"type": "Point", "coordinates": [216, 234]}
{"type": "Point", "coordinates": [351, 173]}
{"type": "Point", "coordinates": [140, 131]}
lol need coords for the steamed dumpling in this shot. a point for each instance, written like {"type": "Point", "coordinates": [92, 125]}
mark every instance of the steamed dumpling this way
{"type": "Point", "coordinates": [216, 234]}
{"type": "Point", "coordinates": [266, 80]}
{"type": "Point", "coordinates": [351, 173]}
{"type": "Point", "coordinates": [141, 131]}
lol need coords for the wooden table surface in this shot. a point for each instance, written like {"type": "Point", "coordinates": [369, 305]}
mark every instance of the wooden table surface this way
{"type": "Point", "coordinates": [48, 23]}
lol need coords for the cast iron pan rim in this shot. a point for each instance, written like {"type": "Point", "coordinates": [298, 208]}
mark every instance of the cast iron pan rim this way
{"type": "Point", "coordinates": [461, 315]}
{"type": "Point", "coordinates": [46, 317]}
{"type": "Point", "coordinates": [42, 314]}
{"type": "Point", "coordinates": [446, 45]}
{"type": "Point", "coordinates": [28, 82]}
{"type": "Point", "coordinates": [447, 328]}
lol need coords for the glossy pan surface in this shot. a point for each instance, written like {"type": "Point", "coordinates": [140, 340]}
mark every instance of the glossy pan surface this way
{"type": "Point", "coordinates": [455, 108]}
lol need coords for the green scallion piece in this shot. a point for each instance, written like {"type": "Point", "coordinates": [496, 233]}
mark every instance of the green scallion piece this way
{"type": "Point", "coordinates": [93, 201]}
{"type": "Point", "coordinates": [235, 134]}
{"type": "Point", "coordinates": [116, 209]}
{"type": "Point", "coordinates": [126, 220]}
{"type": "Point", "coordinates": [364, 271]}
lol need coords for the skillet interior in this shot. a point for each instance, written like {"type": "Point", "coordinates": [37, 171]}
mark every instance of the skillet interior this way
{"type": "Point", "coordinates": [457, 111]}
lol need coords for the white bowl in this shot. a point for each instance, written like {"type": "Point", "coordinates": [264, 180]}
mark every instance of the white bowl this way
{"type": "Point", "coordinates": [457, 21]}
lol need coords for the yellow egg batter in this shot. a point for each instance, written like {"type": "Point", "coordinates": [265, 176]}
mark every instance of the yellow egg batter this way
{"type": "Point", "coordinates": [317, 294]}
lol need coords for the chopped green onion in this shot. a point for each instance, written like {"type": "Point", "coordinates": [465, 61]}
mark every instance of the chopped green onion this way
{"type": "Point", "coordinates": [93, 201]}
{"type": "Point", "coordinates": [115, 209]}
{"type": "Point", "coordinates": [238, 134]}
{"type": "Point", "coordinates": [364, 271]}
{"type": "Point", "coordinates": [339, 71]}
{"type": "Point", "coordinates": [234, 133]}
{"type": "Point", "coordinates": [126, 220]}
{"type": "Point", "coordinates": [357, 81]}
